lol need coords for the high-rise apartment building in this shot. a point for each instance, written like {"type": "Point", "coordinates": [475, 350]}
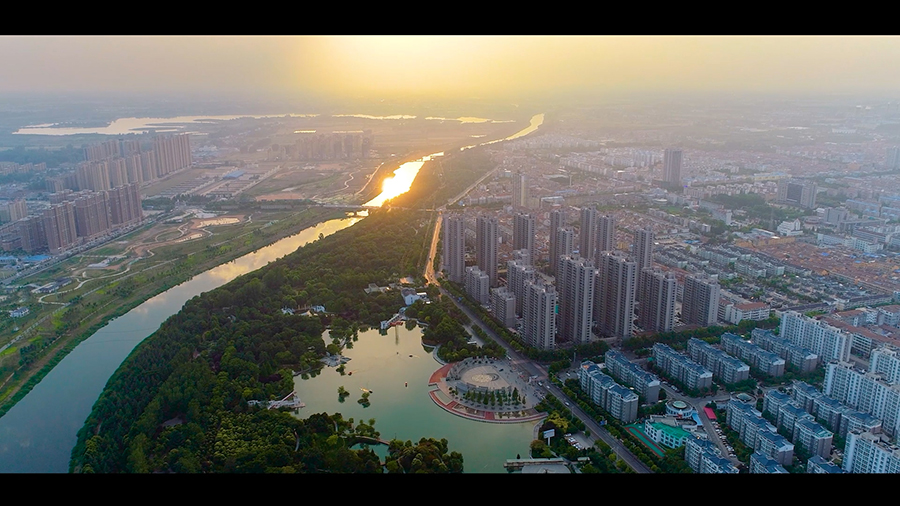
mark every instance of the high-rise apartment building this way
{"type": "Point", "coordinates": [518, 273]}
{"type": "Point", "coordinates": [700, 303]}
{"type": "Point", "coordinates": [886, 360]}
{"type": "Point", "coordinates": [523, 233]}
{"type": "Point", "coordinates": [656, 312]}
{"type": "Point", "coordinates": [587, 236]}
{"type": "Point", "coordinates": [454, 244]}
{"type": "Point", "coordinates": [606, 234]}
{"type": "Point", "coordinates": [643, 248]}
{"type": "Point", "coordinates": [539, 320]}
{"type": "Point", "coordinates": [173, 152]}
{"type": "Point", "coordinates": [797, 193]}
{"type": "Point", "coordinates": [575, 283]}
{"type": "Point", "coordinates": [892, 160]}
{"type": "Point", "coordinates": [672, 166]}
{"type": "Point", "coordinates": [486, 236]}
{"type": "Point", "coordinates": [477, 285]}
{"type": "Point", "coordinates": [557, 221]}
{"type": "Point", "coordinates": [13, 211]}
{"type": "Point", "coordinates": [31, 232]}
{"type": "Point", "coordinates": [616, 282]}
{"type": "Point", "coordinates": [503, 305]}
{"type": "Point", "coordinates": [125, 205]}
{"type": "Point", "coordinates": [519, 190]}
{"type": "Point", "coordinates": [565, 245]}
{"type": "Point", "coordinates": [91, 213]}
{"type": "Point", "coordinates": [59, 225]}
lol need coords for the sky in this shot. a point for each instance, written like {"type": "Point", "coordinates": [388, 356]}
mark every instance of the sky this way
{"type": "Point", "coordinates": [449, 66]}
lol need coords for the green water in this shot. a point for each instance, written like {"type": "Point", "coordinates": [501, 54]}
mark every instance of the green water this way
{"type": "Point", "coordinates": [382, 364]}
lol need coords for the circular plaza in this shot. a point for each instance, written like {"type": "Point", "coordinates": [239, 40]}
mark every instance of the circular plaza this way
{"type": "Point", "coordinates": [486, 390]}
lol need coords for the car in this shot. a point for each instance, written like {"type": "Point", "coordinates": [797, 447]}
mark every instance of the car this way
{"type": "Point", "coordinates": [567, 403]}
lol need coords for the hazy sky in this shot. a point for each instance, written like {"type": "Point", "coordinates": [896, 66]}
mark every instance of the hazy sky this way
{"type": "Point", "coordinates": [487, 66]}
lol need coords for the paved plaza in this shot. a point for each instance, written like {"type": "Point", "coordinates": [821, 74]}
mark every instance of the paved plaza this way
{"type": "Point", "coordinates": [484, 375]}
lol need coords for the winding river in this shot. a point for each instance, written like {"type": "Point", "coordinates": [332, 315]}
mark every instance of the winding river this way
{"type": "Point", "coordinates": [37, 435]}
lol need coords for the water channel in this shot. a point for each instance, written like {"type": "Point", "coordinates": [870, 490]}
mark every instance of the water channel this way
{"type": "Point", "coordinates": [37, 435]}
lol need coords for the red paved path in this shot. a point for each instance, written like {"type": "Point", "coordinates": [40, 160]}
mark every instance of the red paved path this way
{"type": "Point", "coordinates": [439, 374]}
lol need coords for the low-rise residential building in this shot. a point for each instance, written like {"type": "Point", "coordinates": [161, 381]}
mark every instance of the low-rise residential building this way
{"type": "Point", "coordinates": [757, 433]}
{"type": "Point", "coordinates": [805, 395]}
{"type": "Point", "coordinates": [803, 359]}
{"type": "Point", "coordinates": [765, 362]}
{"type": "Point", "coordinates": [703, 457]}
{"type": "Point", "coordinates": [645, 383]}
{"type": "Point", "coordinates": [503, 305]}
{"type": "Point", "coordinates": [773, 401]}
{"type": "Point", "coordinates": [675, 365]}
{"type": "Point", "coordinates": [818, 465]}
{"type": "Point", "coordinates": [19, 312]}
{"type": "Point", "coordinates": [813, 438]}
{"type": "Point", "coordinates": [760, 464]}
{"type": "Point", "coordinates": [788, 416]}
{"type": "Point", "coordinates": [775, 446]}
{"type": "Point", "coordinates": [852, 419]}
{"type": "Point", "coordinates": [620, 402]}
{"type": "Point", "coordinates": [755, 311]}
{"type": "Point", "coordinates": [889, 315]}
{"type": "Point", "coordinates": [668, 431]}
{"type": "Point", "coordinates": [724, 367]}
{"type": "Point", "coordinates": [829, 412]}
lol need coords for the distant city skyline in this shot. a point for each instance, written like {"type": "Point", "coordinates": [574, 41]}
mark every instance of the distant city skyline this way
{"type": "Point", "coordinates": [484, 67]}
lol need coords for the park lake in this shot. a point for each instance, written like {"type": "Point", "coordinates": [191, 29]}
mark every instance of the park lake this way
{"type": "Point", "coordinates": [396, 368]}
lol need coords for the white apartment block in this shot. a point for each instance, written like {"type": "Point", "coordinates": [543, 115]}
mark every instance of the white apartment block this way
{"type": "Point", "coordinates": [868, 453]}
{"type": "Point", "coordinates": [868, 392]}
{"type": "Point", "coordinates": [826, 341]}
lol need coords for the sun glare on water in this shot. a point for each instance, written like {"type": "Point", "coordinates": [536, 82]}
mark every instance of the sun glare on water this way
{"type": "Point", "coordinates": [401, 181]}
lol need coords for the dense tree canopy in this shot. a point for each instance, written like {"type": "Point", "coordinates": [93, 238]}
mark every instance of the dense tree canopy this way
{"type": "Point", "coordinates": [179, 402]}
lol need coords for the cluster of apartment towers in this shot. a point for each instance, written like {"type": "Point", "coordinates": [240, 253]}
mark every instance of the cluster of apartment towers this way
{"type": "Point", "coordinates": [596, 287]}
{"type": "Point", "coordinates": [100, 195]}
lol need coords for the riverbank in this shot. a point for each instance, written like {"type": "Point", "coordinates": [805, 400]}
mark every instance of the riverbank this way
{"type": "Point", "coordinates": [161, 277]}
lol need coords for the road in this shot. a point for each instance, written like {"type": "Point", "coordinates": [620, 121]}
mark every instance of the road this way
{"type": "Point", "coordinates": [430, 276]}
{"type": "Point", "coordinates": [533, 369]}
{"type": "Point", "coordinates": [523, 363]}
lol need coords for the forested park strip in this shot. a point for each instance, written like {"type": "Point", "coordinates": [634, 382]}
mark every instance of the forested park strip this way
{"type": "Point", "coordinates": [179, 402]}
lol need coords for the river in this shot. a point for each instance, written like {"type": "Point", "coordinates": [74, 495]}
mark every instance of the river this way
{"type": "Point", "coordinates": [37, 435]}
{"type": "Point", "coordinates": [403, 177]}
